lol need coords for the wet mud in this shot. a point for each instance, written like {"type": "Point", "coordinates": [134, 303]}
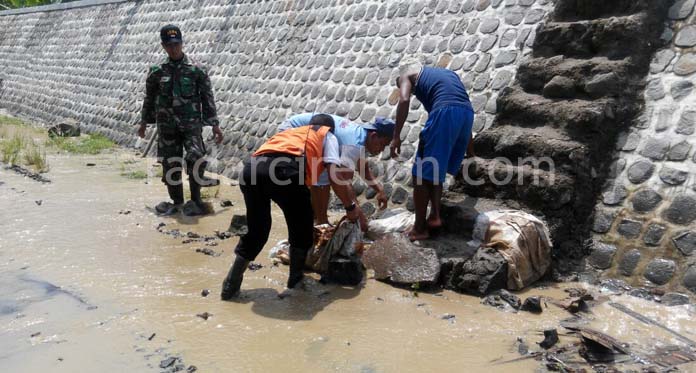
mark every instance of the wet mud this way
{"type": "Point", "coordinates": [85, 286]}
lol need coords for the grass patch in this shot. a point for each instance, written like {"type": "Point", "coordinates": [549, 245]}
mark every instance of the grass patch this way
{"type": "Point", "coordinates": [93, 143]}
{"type": "Point", "coordinates": [135, 175]}
{"type": "Point", "coordinates": [35, 156]}
{"type": "Point", "coordinates": [11, 149]}
{"type": "Point", "coordinates": [10, 121]}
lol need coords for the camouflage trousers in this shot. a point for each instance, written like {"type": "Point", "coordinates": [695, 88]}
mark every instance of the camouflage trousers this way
{"type": "Point", "coordinates": [170, 151]}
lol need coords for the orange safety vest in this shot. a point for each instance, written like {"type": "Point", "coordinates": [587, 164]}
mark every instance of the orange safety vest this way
{"type": "Point", "coordinates": [305, 141]}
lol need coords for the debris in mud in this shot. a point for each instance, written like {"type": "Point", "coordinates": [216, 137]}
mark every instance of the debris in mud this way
{"type": "Point", "coordinates": [27, 173]}
{"type": "Point", "coordinates": [207, 251]}
{"type": "Point", "coordinates": [205, 292]}
{"type": "Point", "coordinates": [223, 235]}
{"type": "Point", "coordinates": [152, 336]}
{"type": "Point", "coordinates": [532, 304]}
{"type": "Point", "coordinates": [522, 347]}
{"type": "Point", "coordinates": [205, 315]}
{"type": "Point", "coordinates": [211, 243]}
{"type": "Point", "coordinates": [193, 235]}
{"type": "Point", "coordinates": [38, 202]}
{"type": "Point", "coordinates": [161, 225]}
{"type": "Point", "coordinates": [124, 212]}
{"type": "Point", "coordinates": [255, 266]}
{"type": "Point", "coordinates": [226, 203]}
{"type": "Point", "coordinates": [448, 316]}
{"type": "Point", "coordinates": [166, 363]}
{"type": "Point", "coordinates": [550, 339]}
{"type": "Point", "coordinates": [577, 301]}
{"type": "Point", "coordinates": [650, 321]}
{"type": "Point", "coordinates": [503, 300]}
{"type": "Point", "coordinates": [238, 225]}
{"type": "Point", "coordinates": [89, 164]}
{"type": "Point", "coordinates": [35, 334]}
{"type": "Point", "coordinates": [191, 369]}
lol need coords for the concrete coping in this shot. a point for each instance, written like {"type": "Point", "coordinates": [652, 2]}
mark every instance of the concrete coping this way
{"type": "Point", "coordinates": [61, 6]}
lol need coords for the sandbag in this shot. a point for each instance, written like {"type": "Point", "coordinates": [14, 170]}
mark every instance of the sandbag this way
{"type": "Point", "coordinates": [524, 241]}
{"type": "Point", "coordinates": [335, 254]}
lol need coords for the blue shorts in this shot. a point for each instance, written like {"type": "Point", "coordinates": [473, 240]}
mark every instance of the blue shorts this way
{"type": "Point", "coordinates": [443, 142]}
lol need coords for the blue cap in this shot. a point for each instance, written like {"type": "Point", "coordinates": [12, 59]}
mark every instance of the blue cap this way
{"type": "Point", "coordinates": [383, 126]}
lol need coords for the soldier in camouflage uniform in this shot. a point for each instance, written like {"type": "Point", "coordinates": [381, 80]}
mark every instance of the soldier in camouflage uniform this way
{"type": "Point", "coordinates": [179, 98]}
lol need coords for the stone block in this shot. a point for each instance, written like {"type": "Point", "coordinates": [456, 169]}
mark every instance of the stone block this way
{"type": "Point", "coordinates": [645, 200]}
{"type": "Point", "coordinates": [614, 195]}
{"type": "Point", "coordinates": [514, 16]}
{"type": "Point", "coordinates": [660, 271]}
{"type": "Point", "coordinates": [559, 87]}
{"type": "Point", "coordinates": [673, 176]}
{"type": "Point", "coordinates": [603, 85]}
{"type": "Point", "coordinates": [602, 255]}
{"type": "Point", "coordinates": [655, 148]}
{"type": "Point", "coordinates": [686, 37]}
{"type": "Point", "coordinates": [603, 219]}
{"type": "Point", "coordinates": [502, 79]}
{"type": "Point", "coordinates": [629, 228]}
{"type": "Point", "coordinates": [629, 261]}
{"type": "Point", "coordinates": [505, 58]}
{"type": "Point", "coordinates": [681, 89]}
{"type": "Point", "coordinates": [395, 258]}
{"type": "Point", "coordinates": [674, 299]}
{"type": "Point", "coordinates": [508, 37]}
{"type": "Point", "coordinates": [488, 42]}
{"type": "Point", "coordinates": [686, 64]}
{"type": "Point", "coordinates": [489, 25]}
{"type": "Point", "coordinates": [681, 211]}
{"type": "Point", "coordinates": [640, 171]}
{"type": "Point", "coordinates": [685, 242]}
{"type": "Point", "coordinates": [679, 151]}
{"type": "Point", "coordinates": [689, 280]}
{"type": "Point", "coordinates": [653, 235]}
{"type": "Point", "coordinates": [655, 90]}
{"type": "Point", "coordinates": [687, 123]}
{"type": "Point", "coordinates": [681, 9]}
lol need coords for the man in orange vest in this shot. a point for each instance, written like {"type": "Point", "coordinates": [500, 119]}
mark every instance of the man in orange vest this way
{"type": "Point", "coordinates": [281, 171]}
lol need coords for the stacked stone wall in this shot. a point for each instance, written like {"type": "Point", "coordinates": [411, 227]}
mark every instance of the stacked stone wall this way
{"type": "Point", "coordinates": [646, 218]}
{"type": "Point", "coordinates": [267, 60]}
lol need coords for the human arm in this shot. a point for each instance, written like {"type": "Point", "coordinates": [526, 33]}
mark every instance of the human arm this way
{"type": "Point", "coordinates": [401, 114]}
{"type": "Point", "coordinates": [366, 174]}
{"type": "Point", "coordinates": [340, 178]}
{"type": "Point", "coordinates": [147, 114]}
{"type": "Point", "coordinates": [209, 111]}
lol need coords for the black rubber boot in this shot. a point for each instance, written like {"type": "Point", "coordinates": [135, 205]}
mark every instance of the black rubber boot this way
{"type": "Point", "coordinates": [176, 193]}
{"type": "Point", "coordinates": [233, 281]}
{"type": "Point", "coordinates": [297, 263]}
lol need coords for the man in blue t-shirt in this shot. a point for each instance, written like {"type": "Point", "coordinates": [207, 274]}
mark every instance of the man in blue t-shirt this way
{"type": "Point", "coordinates": [443, 142]}
{"type": "Point", "coordinates": [354, 141]}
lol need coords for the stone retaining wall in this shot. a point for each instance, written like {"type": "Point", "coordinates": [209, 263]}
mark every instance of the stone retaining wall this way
{"type": "Point", "coordinates": [267, 60]}
{"type": "Point", "coordinates": [646, 219]}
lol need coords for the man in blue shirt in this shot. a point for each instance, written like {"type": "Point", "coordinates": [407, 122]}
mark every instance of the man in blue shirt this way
{"type": "Point", "coordinates": [443, 142]}
{"type": "Point", "coordinates": [353, 140]}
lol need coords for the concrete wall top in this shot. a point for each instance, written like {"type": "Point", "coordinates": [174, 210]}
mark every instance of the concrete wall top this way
{"type": "Point", "coordinates": [61, 6]}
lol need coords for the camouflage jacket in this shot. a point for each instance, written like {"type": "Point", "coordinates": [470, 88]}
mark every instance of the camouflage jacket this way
{"type": "Point", "coordinates": [179, 94]}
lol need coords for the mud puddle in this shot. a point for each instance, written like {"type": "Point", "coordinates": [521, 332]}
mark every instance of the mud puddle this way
{"type": "Point", "coordinates": [90, 272]}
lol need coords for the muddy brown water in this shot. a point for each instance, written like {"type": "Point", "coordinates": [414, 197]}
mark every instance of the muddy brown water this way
{"type": "Point", "coordinates": [84, 287]}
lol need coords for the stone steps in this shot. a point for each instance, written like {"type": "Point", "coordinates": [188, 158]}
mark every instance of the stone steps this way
{"type": "Point", "coordinates": [533, 187]}
{"type": "Point", "coordinates": [614, 38]}
{"type": "Point", "coordinates": [561, 77]}
{"type": "Point", "coordinates": [580, 118]}
{"type": "Point", "coordinates": [524, 145]}
{"type": "Point", "coordinates": [574, 10]}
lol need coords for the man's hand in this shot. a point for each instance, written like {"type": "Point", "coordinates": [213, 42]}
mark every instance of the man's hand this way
{"type": "Point", "coordinates": [382, 199]}
{"type": "Point", "coordinates": [141, 130]}
{"type": "Point", "coordinates": [218, 134]}
{"type": "Point", "coordinates": [395, 148]}
{"type": "Point", "coordinates": [357, 215]}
